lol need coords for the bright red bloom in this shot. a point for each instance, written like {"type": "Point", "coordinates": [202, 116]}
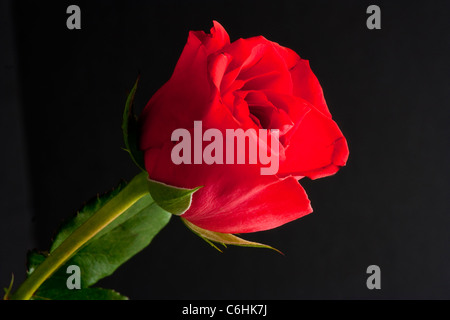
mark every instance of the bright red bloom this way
{"type": "Point", "coordinates": [250, 83]}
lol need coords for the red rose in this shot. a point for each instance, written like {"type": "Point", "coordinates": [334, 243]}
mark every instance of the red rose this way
{"type": "Point", "coordinates": [250, 83]}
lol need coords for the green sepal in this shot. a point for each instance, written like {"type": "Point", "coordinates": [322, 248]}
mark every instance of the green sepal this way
{"type": "Point", "coordinates": [130, 129]}
{"type": "Point", "coordinates": [172, 199]}
{"type": "Point", "coordinates": [224, 238]}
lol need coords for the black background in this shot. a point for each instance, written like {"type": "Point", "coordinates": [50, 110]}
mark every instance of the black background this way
{"type": "Point", "coordinates": [62, 97]}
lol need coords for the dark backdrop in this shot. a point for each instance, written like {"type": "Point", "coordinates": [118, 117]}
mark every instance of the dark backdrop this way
{"type": "Point", "coordinates": [63, 93]}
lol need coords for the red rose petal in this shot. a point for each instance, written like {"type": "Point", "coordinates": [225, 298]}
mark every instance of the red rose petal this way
{"type": "Point", "coordinates": [306, 86]}
{"type": "Point", "coordinates": [230, 200]}
{"type": "Point", "coordinates": [186, 97]}
{"type": "Point", "coordinates": [216, 40]}
{"type": "Point", "coordinates": [317, 148]}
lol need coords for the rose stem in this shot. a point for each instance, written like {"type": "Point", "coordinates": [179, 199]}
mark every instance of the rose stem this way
{"type": "Point", "coordinates": [134, 191]}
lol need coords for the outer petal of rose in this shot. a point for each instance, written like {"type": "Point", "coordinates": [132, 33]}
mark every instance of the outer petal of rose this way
{"type": "Point", "coordinates": [216, 40]}
{"type": "Point", "coordinates": [234, 198]}
{"type": "Point", "coordinates": [317, 148]}
{"type": "Point", "coordinates": [265, 207]}
{"type": "Point", "coordinates": [183, 99]}
{"type": "Point", "coordinates": [289, 56]}
{"type": "Point", "coordinates": [189, 93]}
{"type": "Point", "coordinates": [306, 86]}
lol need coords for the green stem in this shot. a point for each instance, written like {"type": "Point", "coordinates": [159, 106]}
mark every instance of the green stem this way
{"type": "Point", "coordinates": [134, 191]}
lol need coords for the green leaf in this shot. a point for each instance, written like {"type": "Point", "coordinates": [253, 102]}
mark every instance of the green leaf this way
{"type": "Point", "coordinates": [172, 199]}
{"type": "Point", "coordinates": [55, 287]}
{"type": "Point", "coordinates": [224, 238]}
{"type": "Point", "coordinates": [85, 294]}
{"type": "Point", "coordinates": [120, 240]}
{"type": "Point", "coordinates": [84, 214]}
{"type": "Point", "coordinates": [130, 130]}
